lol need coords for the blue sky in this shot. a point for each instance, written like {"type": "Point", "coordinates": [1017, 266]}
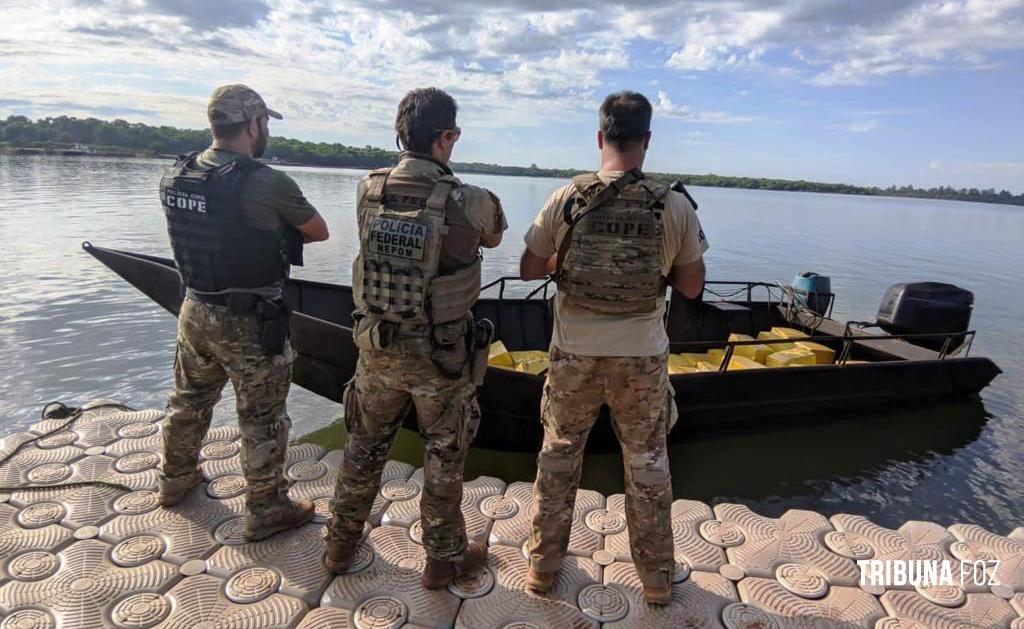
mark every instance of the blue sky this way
{"type": "Point", "coordinates": [871, 92]}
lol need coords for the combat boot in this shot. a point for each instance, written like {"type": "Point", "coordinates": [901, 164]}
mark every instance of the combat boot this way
{"type": "Point", "coordinates": [339, 553]}
{"type": "Point", "coordinates": [540, 582]}
{"type": "Point", "coordinates": [658, 595]}
{"type": "Point", "coordinates": [173, 490]}
{"type": "Point", "coordinates": [277, 519]}
{"type": "Point", "coordinates": [440, 572]}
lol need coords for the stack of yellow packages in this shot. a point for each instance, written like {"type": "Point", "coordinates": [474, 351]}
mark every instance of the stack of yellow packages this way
{"type": "Point", "coordinates": [823, 355]}
{"type": "Point", "coordinates": [770, 337]}
{"type": "Point", "coordinates": [534, 361]}
{"type": "Point", "coordinates": [737, 362]}
{"type": "Point", "coordinates": [796, 353]}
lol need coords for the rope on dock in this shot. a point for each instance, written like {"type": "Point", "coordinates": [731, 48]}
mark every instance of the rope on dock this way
{"type": "Point", "coordinates": [59, 410]}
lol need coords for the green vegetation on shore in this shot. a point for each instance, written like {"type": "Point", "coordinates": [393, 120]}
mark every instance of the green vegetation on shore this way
{"type": "Point", "coordinates": [48, 135]}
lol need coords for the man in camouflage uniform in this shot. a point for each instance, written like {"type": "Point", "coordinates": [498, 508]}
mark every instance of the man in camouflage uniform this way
{"type": "Point", "coordinates": [414, 282]}
{"type": "Point", "coordinates": [613, 239]}
{"type": "Point", "coordinates": [235, 226]}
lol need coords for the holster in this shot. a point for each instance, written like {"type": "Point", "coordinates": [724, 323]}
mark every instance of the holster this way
{"type": "Point", "coordinates": [370, 333]}
{"type": "Point", "coordinates": [483, 335]}
{"type": "Point", "coordinates": [450, 343]}
{"type": "Point", "coordinates": [274, 317]}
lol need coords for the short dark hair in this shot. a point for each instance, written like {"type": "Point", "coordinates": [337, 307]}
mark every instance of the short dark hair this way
{"type": "Point", "coordinates": [625, 118]}
{"type": "Point", "coordinates": [228, 131]}
{"type": "Point", "coordinates": [422, 115]}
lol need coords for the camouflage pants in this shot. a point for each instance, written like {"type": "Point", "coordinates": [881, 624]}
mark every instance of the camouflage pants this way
{"type": "Point", "coordinates": [376, 400]}
{"type": "Point", "coordinates": [638, 394]}
{"type": "Point", "coordinates": [216, 345]}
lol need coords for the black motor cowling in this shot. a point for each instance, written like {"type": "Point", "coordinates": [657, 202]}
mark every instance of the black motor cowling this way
{"type": "Point", "coordinates": [926, 308]}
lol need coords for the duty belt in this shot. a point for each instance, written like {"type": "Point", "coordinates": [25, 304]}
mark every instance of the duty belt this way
{"type": "Point", "coordinates": [236, 302]}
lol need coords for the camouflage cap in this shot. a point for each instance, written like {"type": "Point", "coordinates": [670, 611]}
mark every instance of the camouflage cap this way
{"type": "Point", "coordinates": [230, 104]}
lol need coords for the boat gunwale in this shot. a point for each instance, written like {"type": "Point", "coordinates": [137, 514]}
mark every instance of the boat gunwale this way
{"type": "Point", "coordinates": [526, 376]}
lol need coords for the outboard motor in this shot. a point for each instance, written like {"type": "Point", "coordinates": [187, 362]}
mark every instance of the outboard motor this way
{"type": "Point", "coordinates": [813, 291]}
{"type": "Point", "coordinates": [926, 308]}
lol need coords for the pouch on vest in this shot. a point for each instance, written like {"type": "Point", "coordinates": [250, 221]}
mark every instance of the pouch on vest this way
{"type": "Point", "coordinates": [370, 333]}
{"type": "Point", "coordinates": [452, 296]}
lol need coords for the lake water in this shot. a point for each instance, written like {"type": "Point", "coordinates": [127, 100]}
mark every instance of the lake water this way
{"type": "Point", "coordinates": [71, 330]}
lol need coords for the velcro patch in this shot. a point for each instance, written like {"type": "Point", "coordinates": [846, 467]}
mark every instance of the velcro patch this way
{"type": "Point", "coordinates": [185, 200]}
{"type": "Point", "coordinates": [619, 224]}
{"type": "Point", "coordinates": [398, 238]}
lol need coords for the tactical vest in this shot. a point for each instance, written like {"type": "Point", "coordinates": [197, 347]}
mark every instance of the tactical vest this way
{"type": "Point", "coordinates": [419, 263]}
{"type": "Point", "coordinates": [214, 247]}
{"type": "Point", "coordinates": [612, 262]}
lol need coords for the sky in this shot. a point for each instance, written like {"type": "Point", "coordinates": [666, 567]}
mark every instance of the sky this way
{"type": "Point", "coordinates": [870, 92]}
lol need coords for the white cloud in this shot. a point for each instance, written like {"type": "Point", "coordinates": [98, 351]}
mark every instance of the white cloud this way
{"type": "Point", "coordinates": [859, 126]}
{"type": "Point", "coordinates": [340, 67]}
{"type": "Point", "coordinates": [832, 42]}
{"type": "Point", "coordinates": [665, 107]}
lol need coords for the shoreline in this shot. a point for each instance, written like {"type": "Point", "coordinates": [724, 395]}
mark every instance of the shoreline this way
{"type": "Point", "coordinates": [539, 173]}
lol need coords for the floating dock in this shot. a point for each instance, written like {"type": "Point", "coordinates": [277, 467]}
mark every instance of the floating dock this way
{"type": "Point", "coordinates": [84, 544]}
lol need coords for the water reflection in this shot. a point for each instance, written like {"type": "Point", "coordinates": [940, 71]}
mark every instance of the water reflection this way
{"type": "Point", "coordinates": [771, 470]}
{"type": "Point", "coordinates": [71, 330]}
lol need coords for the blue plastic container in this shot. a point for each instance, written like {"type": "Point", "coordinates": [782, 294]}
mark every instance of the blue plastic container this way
{"type": "Point", "coordinates": [812, 291]}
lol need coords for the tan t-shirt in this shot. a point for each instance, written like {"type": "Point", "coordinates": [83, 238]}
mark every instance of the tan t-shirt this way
{"type": "Point", "coordinates": [588, 333]}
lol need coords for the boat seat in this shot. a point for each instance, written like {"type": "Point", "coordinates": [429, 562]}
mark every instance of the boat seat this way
{"type": "Point", "coordinates": [736, 317]}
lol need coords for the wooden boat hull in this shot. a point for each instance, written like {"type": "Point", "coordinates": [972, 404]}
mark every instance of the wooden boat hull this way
{"type": "Point", "coordinates": [510, 401]}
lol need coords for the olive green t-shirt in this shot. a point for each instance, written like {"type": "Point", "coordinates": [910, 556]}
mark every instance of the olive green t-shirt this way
{"type": "Point", "coordinates": [269, 196]}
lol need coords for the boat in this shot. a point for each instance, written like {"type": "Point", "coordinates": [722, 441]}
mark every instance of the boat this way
{"type": "Point", "coordinates": [874, 372]}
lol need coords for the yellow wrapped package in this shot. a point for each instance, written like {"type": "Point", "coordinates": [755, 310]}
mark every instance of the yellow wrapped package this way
{"type": "Point", "coordinates": [756, 353]}
{"type": "Point", "coordinates": [823, 355]}
{"type": "Point", "coordinates": [788, 333]}
{"type": "Point", "coordinates": [688, 359]}
{"type": "Point", "coordinates": [533, 362]}
{"type": "Point", "coordinates": [790, 358]}
{"type": "Point", "coordinates": [498, 356]}
{"type": "Point", "coordinates": [706, 366]}
{"type": "Point", "coordinates": [677, 364]}
{"type": "Point", "coordinates": [736, 363]}
{"type": "Point", "coordinates": [774, 347]}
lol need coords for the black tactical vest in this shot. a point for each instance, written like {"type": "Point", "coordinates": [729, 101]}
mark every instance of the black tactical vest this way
{"type": "Point", "coordinates": [214, 248]}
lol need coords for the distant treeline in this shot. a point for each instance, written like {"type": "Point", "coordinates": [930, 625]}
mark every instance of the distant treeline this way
{"type": "Point", "coordinates": [120, 137]}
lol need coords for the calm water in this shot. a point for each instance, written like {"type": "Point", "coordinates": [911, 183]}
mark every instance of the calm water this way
{"type": "Point", "coordinates": [71, 330]}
